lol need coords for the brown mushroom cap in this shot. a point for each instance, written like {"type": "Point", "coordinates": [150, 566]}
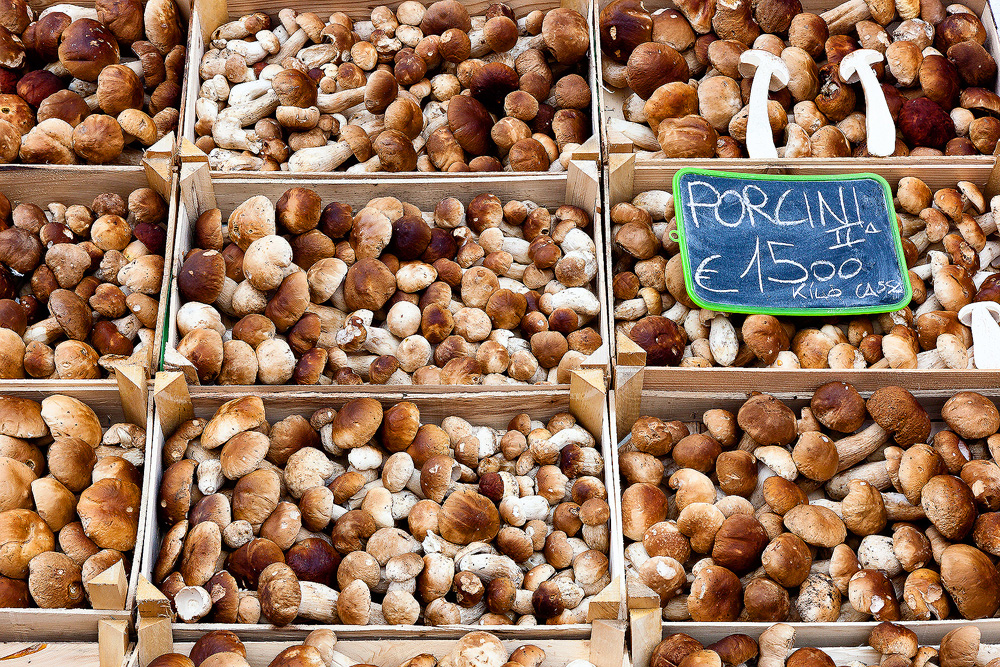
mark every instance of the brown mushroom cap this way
{"type": "Point", "coordinates": [109, 511]}
{"type": "Point", "coordinates": [467, 516]}
{"type": "Point", "coordinates": [767, 420]}
{"type": "Point", "coordinates": [21, 418]}
{"type": "Point", "coordinates": [971, 415]}
{"type": "Point", "coordinates": [971, 580]}
{"type": "Point", "coordinates": [23, 535]}
{"type": "Point", "coordinates": [72, 313]}
{"type": "Point", "coordinates": [838, 406]}
{"type": "Point", "coordinates": [897, 411]}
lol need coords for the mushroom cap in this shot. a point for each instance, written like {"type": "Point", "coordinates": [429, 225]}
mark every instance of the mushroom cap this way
{"type": "Point", "coordinates": [971, 580]}
{"type": "Point", "coordinates": [21, 418]}
{"type": "Point", "coordinates": [477, 649]}
{"type": "Point", "coordinates": [971, 415]}
{"type": "Point", "coordinates": [897, 411]}
{"type": "Point", "coordinates": [23, 535]}
{"type": "Point", "coordinates": [889, 638]}
{"type": "Point", "coordinates": [643, 505]}
{"type": "Point", "coordinates": [109, 511]}
{"type": "Point", "coordinates": [55, 581]}
{"type": "Point", "coordinates": [232, 417]}
{"type": "Point", "coordinates": [767, 420]}
{"type": "Point", "coordinates": [299, 656]}
{"type": "Point", "coordinates": [949, 505]}
{"type": "Point", "coordinates": [68, 416]}
{"type": "Point", "coordinates": [72, 313]}
{"type": "Point", "coordinates": [566, 34]}
{"type": "Point", "coordinates": [960, 647]}
{"type": "Point", "coordinates": [356, 423]}
{"type": "Point", "coordinates": [838, 406]}
{"type": "Point", "coordinates": [467, 516]}
{"type": "Point", "coordinates": [661, 338]}
{"type": "Point", "coordinates": [216, 641]}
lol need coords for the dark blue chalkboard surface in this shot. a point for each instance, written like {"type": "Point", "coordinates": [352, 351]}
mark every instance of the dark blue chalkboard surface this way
{"type": "Point", "coordinates": [790, 245]}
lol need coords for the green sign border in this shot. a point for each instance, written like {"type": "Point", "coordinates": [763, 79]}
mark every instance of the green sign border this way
{"type": "Point", "coordinates": [726, 308]}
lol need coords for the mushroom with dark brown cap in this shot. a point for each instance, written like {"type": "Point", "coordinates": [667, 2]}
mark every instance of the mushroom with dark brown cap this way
{"type": "Point", "coordinates": [897, 411]}
{"type": "Point", "coordinates": [767, 421]}
{"type": "Point", "coordinates": [838, 406]}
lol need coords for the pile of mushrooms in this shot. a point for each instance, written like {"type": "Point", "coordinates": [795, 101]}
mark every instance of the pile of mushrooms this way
{"type": "Point", "coordinates": [222, 648]}
{"type": "Point", "coordinates": [896, 645]}
{"type": "Point", "coordinates": [69, 499]}
{"type": "Point", "coordinates": [426, 88]}
{"type": "Point", "coordinates": [79, 285]}
{"type": "Point", "coordinates": [88, 84]}
{"type": "Point", "coordinates": [689, 90]}
{"type": "Point", "coordinates": [854, 511]}
{"type": "Point", "coordinates": [951, 246]}
{"type": "Point", "coordinates": [365, 516]}
{"type": "Point", "coordinates": [489, 293]}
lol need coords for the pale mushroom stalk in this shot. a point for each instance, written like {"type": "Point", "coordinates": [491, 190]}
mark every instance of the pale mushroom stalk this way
{"type": "Point", "coordinates": [857, 447]}
{"type": "Point", "coordinates": [640, 135]}
{"type": "Point", "coordinates": [857, 66]}
{"type": "Point", "coordinates": [770, 73]}
{"type": "Point", "coordinates": [340, 101]}
{"type": "Point", "coordinates": [292, 46]}
{"type": "Point", "coordinates": [984, 319]}
{"type": "Point", "coordinates": [897, 507]}
{"type": "Point", "coordinates": [223, 159]}
{"type": "Point", "coordinates": [875, 473]}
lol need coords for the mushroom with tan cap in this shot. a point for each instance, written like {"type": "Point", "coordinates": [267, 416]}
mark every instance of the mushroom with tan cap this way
{"type": "Point", "coordinates": [766, 421]}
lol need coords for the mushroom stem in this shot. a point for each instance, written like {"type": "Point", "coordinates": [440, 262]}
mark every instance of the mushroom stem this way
{"type": "Point", "coordinates": [223, 159]}
{"type": "Point", "coordinates": [320, 158]}
{"type": "Point", "coordinates": [875, 473]}
{"type": "Point", "coordinates": [640, 135]}
{"type": "Point", "coordinates": [897, 507]}
{"type": "Point", "coordinates": [319, 602]}
{"type": "Point", "coordinates": [842, 18]}
{"type": "Point", "coordinates": [292, 46]}
{"type": "Point", "coordinates": [857, 447]}
{"type": "Point", "coordinates": [340, 101]}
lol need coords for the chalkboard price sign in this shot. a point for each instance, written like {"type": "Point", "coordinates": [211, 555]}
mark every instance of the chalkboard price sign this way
{"type": "Point", "coordinates": [790, 245]}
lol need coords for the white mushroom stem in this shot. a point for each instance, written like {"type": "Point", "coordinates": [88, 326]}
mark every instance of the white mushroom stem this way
{"type": "Point", "coordinates": [319, 602]}
{"type": "Point", "coordinates": [73, 11]}
{"type": "Point", "coordinates": [320, 158]}
{"type": "Point", "coordinates": [216, 89]}
{"type": "Point", "coordinates": [857, 447]}
{"type": "Point", "coordinates": [223, 159]}
{"type": "Point", "coordinates": [206, 110]}
{"type": "Point", "coordinates": [340, 101]}
{"type": "Point", "coordinates": [897, 507]}
{"type": "Point", "coordinates": [233, 30]}
{"type": "Point", "coordinates": [192, 603]}
{"type": "Point", "coordinates": [875, 473]}
{"type": "Point", "coordinates": [989, 253]}
{"type": "Point", "coordinates": [228, 133]}
{"type": "Point", "coordinates": [677, 312]}
{"type": "Point", "coordinates": [253, 52]}
{"type": "Point", "coordinates": [920, 240]}
{"type": "Point", "coordinates": [640, 135]}
{"type": "Point", "coordinates": [929, 305]}
{"type": "Point", "coordinates": [949, 353]}
{"type": "Point", "coordinates": [292, 45]}
{"type": "Point", "coordinates": [248, 91]}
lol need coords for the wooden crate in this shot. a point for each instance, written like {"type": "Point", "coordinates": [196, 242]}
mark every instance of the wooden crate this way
{"type": "Point", "coordinates": [207, 15]}
{"type": "Point", "coordinates": [62, 653]}
{"type": "Point", "coordinates": [645, 620]}
{"type": "Point", "coordinates": [113, 405]}
{"type": "Point", "coordinates": [845, 643]}
{"type": "Point", "coordinates": [580, 186]}
{"type": "Point", "coordinates": [136, 158]}
{"type": "Point", "coordinates": [45, 184]}
{"type": "Point", "coordinates": [952, 168]}
{"type": "Point", "coordinates": [626, 178]}
{"type": "Point", "coordinates": [604, 648]}
{"type": "Point", "coordinates": [587, 400]}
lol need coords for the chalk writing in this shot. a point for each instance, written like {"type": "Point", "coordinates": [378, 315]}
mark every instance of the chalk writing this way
{"type": "Point", "coordinates": [790, 244]}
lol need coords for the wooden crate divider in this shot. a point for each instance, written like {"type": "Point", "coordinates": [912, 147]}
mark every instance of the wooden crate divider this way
{"type": "Point", "coordinates": [76, 653]}
{"type": "Point", "coordinates": [646, 627]}
{"type": "Point", "coordinates": [626, 178]}
{"type": "Point", "coordinates": [175, 402]}
{"type": "Point", "coordinates": [977, 168]}
{"type": "Point", "coordinates": [207, 15]}
{"type": "Point", "coordinates": [200, 190]}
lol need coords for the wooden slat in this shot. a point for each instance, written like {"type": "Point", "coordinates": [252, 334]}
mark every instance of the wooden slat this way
{"type": "Point", "coordinates": [52, 654]}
